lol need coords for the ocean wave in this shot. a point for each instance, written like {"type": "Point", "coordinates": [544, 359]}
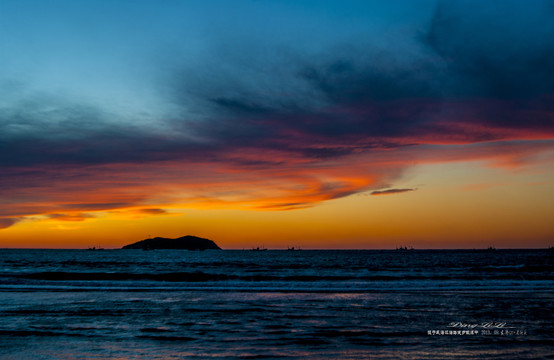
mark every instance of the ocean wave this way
{"type": "Point", "coordinates": [538, 274]}
{"type": "Point", "coordinates": [286, 286]}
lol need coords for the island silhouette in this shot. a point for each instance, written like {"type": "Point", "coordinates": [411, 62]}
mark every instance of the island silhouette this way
{"type": "Point", "coordinates": [187, 242]}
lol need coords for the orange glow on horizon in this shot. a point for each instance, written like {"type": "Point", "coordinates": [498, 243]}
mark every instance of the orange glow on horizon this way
{"type": "Point", "coordinates": [446, 211]}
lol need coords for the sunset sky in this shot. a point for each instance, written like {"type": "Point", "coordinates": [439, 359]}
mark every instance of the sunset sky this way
{"type": "Point", "coordinates": [316, 124]}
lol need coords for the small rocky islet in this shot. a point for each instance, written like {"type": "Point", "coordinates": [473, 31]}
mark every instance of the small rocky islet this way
{"type": "Point", "coordinates": [187, 242]}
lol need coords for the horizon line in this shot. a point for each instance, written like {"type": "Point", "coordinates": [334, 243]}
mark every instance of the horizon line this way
{"type": "Point", "coordinates": [296, 249]}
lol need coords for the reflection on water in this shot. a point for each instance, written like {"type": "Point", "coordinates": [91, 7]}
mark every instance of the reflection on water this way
{"type": "Point", "coordinates": [67, 319]}
{"type": "Point", "coordinates": [121, 325]}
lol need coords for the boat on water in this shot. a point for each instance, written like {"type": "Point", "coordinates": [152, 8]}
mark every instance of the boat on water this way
{"type": "Point", "coordinates": [259, 249]}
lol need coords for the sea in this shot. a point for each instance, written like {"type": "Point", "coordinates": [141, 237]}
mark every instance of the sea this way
{"type": "Point", "coordinates": [276, 304]}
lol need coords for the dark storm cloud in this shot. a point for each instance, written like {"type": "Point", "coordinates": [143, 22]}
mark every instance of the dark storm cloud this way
{"type": "Point", "coordinates": [478, 64]}
{"type": "Point", "coordinates": [486, 64]}
{"type": "Point", "coordinates": [350, 94]}
{"type": "Point", "coordinates": [352, 79]}
{"type": "Point", "coordinates": [502, 52]}
{"type": "Point", "coordinates": [496, 49]}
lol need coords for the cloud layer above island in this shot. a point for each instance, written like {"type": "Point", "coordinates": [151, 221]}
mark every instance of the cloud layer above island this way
{"type": "Point", "coordinates": [262, 106]}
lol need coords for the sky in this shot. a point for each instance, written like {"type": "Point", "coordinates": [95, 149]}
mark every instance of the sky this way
{"type": "Point", "coordinates": [315, 124]}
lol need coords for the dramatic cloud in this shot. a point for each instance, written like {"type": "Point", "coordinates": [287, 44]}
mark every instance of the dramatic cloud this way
{"type": "Point", "coordinates": [275, 119]}
{"type": "Point", "coordinates": [503, 50]}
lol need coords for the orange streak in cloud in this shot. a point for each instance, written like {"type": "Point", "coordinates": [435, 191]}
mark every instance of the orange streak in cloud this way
{"type": "Point", "coordinates": [239, 181]}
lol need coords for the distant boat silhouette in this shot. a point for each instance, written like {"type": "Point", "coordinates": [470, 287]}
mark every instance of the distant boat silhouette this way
{"type": "Point", "coordinates": [491, 248]}
{"type": "Point", "coordinates": [259, 249]}
{"type": "Point", "coordinates": [94, 248]}
{"type": "Point", "coordinates": [405, 248]}
{"type": "Point", "coordinates": [293, 249]}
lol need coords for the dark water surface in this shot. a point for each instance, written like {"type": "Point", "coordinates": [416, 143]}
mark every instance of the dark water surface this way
{"type": "Point", "coordinates": [133, 304]}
